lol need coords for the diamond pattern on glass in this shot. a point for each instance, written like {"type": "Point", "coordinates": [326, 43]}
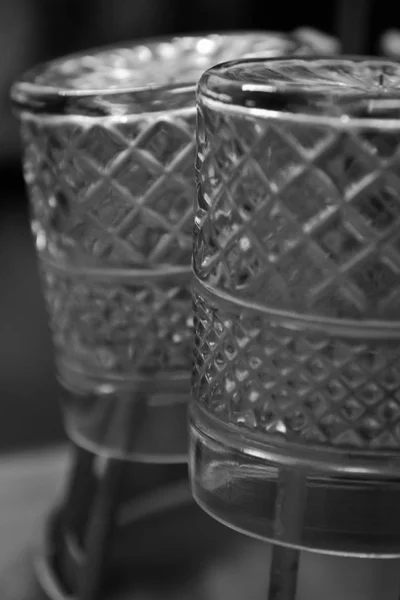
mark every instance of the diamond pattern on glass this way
{"type": "Point", "coordinates": [312, 216]}
{"type": "Point", "coordinates": [302, 222]}
{"type": "Point", "coordinates": [117, 329]}
{"type": "Point", "coordinates": [107, 197]}
{"type": "Point", "coordinates": [292, 384]}
{"type": "Point", "coordinates": [101, 187]}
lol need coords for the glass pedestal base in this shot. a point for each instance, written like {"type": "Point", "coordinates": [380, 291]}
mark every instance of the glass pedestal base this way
{"type": "Point", "coordinates": [302, 500]}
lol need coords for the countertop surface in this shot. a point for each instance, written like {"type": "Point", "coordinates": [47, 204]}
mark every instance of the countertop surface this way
{"type": "Point", "coordinates": [29, 485]}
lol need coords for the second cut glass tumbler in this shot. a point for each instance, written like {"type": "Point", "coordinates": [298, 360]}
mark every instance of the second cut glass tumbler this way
{"type": "Point", "coordinates": [109, 140]}
{"type": "Point", "coordinates": [295, 420]}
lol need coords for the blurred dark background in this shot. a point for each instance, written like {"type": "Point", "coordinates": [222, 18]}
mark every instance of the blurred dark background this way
{"type": "Point", "coordinates": [35, 30]}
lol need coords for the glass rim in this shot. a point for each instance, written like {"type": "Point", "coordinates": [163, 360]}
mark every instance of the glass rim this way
{"type": "Point", "coordinates": [365, 93]}
{"type": "Point", "coordinates": [31, 92]}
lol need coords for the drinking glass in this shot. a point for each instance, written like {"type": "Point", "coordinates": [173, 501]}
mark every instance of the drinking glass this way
{"type": "Point", "coordinates": [295, 418]}
{"type": "Point", "coordinates": [109, 148]}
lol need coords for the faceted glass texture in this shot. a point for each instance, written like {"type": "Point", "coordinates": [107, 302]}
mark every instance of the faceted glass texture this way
{"type": "Point", "coordinates": [297, 253]}
{"type": "Point", "coordinates": [109, 148]}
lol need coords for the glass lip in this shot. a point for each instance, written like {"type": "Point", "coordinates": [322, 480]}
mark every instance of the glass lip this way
{"type": "Point", "coordinates": [344, 104]}
{"type": "Point", "coordinates": [27, 94]}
